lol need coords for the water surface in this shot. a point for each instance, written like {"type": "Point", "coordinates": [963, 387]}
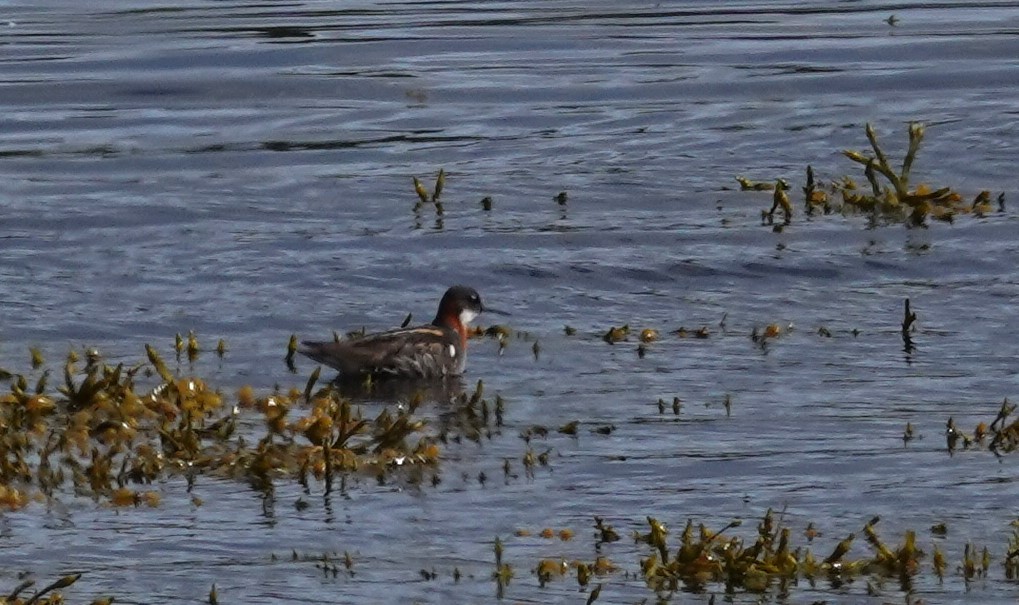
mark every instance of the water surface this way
{"type": "Point", "coordinates": [243, 170]}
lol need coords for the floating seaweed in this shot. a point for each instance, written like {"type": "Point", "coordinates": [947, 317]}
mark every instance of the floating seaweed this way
{"type": "Point", "coordinates": [616, 334]}
{"type": "Point", "coordinates": [780, 200]}
{"type": "Point", "coordinates": [908, 321]}
{"type": "Point", "coordinates": [891, 195]}
{"type": "Point", "coordinates": [746, 184]}
{"type": "Point", "coordinates": [704, 557]}
{"type": "Point", "coordinates": [40, 598]}
{"type": "Point", "coordinates": [102, 432]}
{"type": "Point", "coordinates": [425, 198]}
{"type": "Point", "coordinates": [701, 332]}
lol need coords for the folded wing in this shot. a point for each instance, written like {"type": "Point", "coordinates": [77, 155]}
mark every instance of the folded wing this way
{"type": "Point", "coordinates": [420, 351]}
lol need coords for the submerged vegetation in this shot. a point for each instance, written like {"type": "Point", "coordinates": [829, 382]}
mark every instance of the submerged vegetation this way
{"type": "Point", "coordinates": [891, 197]}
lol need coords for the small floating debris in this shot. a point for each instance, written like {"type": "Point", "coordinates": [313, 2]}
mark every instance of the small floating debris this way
{"type": "Point", "coordinates": [746, 184]}
{"type": "Point", "coordinates": [617, 334]}
{"type": "Point", "coordinates": [570, 428]}
{"type": "Point", "coordinates": [908, 434]}
{"type": "Point", "coordinates": [781, 200]}
{"type": "Point", "coordinates": [291, 352]}
{"type": "Point", "coordinates": [701, 332]}
{"type": "Point", "coordinates": [908, 321]}
{"type": "Point", "coordinates": [425, 198]}
{"type": "Point", "coordinates": [769, 332]}
{"type": "Point", "coordinates": [648, 335]}
{"type": "Point", "coordinates": [37, 358]}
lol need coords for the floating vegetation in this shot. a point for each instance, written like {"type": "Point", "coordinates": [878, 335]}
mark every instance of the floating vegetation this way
{"type": "Point", "coordinates": [649, 335]}
{"type": "Point", "coordinates": [291, 353]}
{"type": "Point", "coordinates": [1000, 437]}
{"type": "Point", "coordinates": [548, 533]}
{"type": "Point", "coordinates": [732, 560]}
{"type": "Point", "coordinates": [908, 434]}
{"type": "Point", "coordinates": [746, 184]}
{"type": "Point", "coordinates": [472, 417]}
{"type": "Point", "coordinates": [37, 359]}
{"type": "Point", "coordinates": [762, 336]}
{"type": "Point", "coordinates": [108, 431]}
{"type": "Point", "coordinates": [677, 405]}
{"type": "Point", "coordinates": [768, 560]}
{"type": "Point", "coordinates": [504, 334]}
{"type": "Point", "coordinates": [617, 334]}
{"type": "Point", "coordinates": [701, 332]}
{"type": "Point", "coordinates": [45, 595]}
{"type": "Point", "coordinates": [499, 331]}
{"type": "Point", "coordinates": [890, 197]}
{"type": "Point", "coordinates": [908, 321]}
{"type": "Point", "coordinates": [780, 200]}
{"type": "Point", "coordinates": [425, 198]}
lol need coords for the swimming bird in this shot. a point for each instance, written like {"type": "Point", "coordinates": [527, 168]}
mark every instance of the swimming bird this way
{"type": "Point", "coordinates": [434, 350]}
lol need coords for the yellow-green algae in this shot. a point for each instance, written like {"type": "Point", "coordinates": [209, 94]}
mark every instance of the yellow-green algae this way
{"type": "Point", "coordinates": [424, 198]}
{"type": "Point", "coordinates": [772, 560]}
{"type": "Point", "coordinates": [108, 431]}
{"type": "Point", "coordinates": [891, 195]}
{"type": "Point", "coordinates": [46, 595]}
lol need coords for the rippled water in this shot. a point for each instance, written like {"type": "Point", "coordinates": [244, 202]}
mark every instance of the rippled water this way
{"type": "Point", "coordinates": [243, 170]}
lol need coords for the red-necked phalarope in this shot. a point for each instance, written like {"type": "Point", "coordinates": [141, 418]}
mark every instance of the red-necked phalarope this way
{"type": "Point", "coordinates": [430, 351]}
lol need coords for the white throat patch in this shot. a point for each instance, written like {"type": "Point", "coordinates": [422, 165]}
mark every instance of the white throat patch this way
{"type": "Point", "coordinates": [467, 316]}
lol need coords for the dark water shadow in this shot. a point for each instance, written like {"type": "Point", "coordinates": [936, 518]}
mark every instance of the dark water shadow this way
{"type": "Point", "coordinates": [397, 390]}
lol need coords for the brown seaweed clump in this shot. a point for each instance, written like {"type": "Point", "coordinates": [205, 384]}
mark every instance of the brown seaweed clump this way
{"type": "Point", "coordinates": [706, 560]}
{"type": "Point", "coordinates": [705, 557]}
{"type": "Point", "coordinates": [770, 562]}
{"type": "Point", "coordinates": [109, 431]}
{"type": "Point", "coordinates": [891, 195]}
{"type": "Point", "coordinates": [1001, 436]}
{"type": "Point", "coordinates": [46, 595]}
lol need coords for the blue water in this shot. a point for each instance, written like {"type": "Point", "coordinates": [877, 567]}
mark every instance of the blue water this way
{"type": "Point", "coordinates": [244, 170]}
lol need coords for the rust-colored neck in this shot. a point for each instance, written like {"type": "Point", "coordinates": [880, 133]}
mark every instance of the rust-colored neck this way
{"type": "Point", "coordinates": [452, 321]}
